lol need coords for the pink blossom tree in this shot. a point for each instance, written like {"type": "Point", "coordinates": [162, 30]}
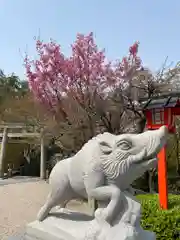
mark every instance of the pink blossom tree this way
{"type": "Point", "coordinates": [86, 93]}
{"type": "Point", "coordinates": [85, 87]}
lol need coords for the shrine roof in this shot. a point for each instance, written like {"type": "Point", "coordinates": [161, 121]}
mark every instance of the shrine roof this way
{"type": "Point", "coordinates": [163, 101]}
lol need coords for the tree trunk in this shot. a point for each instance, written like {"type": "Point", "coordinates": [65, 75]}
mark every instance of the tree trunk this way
{"type": "Point", "coordinates": [151, 181]}
{"type": "Point", "coordinates": [177, 154]}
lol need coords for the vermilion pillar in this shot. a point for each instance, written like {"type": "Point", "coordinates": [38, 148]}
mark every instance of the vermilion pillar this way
{"type": "Point", "coordinates": [162, 179]}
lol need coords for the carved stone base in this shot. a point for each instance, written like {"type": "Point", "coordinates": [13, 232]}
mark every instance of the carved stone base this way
{"type": "Point", "coordinates": [59, 226]}
{"type": "Point", "coordinates": [77, 226]}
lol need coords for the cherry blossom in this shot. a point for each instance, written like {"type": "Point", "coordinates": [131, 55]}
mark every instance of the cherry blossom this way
{"type": "Point", "coordinates": [53, 75]}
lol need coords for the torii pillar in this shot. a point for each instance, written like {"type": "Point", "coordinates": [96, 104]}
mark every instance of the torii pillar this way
{"type": "Point", "coordinates": [162, 179]}
{"type": "Point", "coordinates": [43, 158]}
{"type": "Point", "coordinates": [3, 152]}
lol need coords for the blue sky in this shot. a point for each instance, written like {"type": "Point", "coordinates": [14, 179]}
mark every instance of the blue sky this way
{"type": "Point", "coordinates": [116, 24]}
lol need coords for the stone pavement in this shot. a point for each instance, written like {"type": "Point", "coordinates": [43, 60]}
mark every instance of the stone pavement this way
{"type": "Point", "coordinates": [18, 179]}
{"type": "Point", "coordinates": [17, 237]}
{"type": "Point", "coordinates": [20, 200]}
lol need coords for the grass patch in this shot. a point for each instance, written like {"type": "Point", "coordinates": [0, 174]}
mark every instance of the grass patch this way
{"type": "Point", "coordinates": [165, 223]}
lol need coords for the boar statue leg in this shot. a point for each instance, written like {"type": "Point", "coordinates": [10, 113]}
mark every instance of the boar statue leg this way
{"type": "Point", "coordinates": [94, 189]}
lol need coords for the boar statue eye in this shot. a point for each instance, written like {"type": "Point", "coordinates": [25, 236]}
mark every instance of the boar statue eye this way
{"type": "Point", "coordinates": [124, 145]}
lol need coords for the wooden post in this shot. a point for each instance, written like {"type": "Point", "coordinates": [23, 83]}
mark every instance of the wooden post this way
{"type": "Point", "coordinates": [43, 159]}
{"type": "Point", "coordinates": [3, 151]}
{"type": "Point", "coordinates": [162, 179]}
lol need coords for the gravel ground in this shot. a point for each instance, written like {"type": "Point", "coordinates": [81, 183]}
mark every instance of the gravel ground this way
{"type": "Point", "coordinates": [19, 204]}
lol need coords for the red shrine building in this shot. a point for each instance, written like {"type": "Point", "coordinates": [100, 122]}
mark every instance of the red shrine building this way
{"type": "Point", "coordinates": [161, 110]}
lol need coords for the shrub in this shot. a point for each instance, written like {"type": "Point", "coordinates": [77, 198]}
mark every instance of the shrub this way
{"type": "Point", "coordinates": [165, 223]}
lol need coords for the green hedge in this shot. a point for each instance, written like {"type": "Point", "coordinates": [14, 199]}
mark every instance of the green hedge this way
{"type": "Point", "coordinates": [165, 223]}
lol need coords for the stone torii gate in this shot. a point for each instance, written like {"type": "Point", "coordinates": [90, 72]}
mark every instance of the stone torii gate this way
{"type": "Point", "coordinates": [6, 135]}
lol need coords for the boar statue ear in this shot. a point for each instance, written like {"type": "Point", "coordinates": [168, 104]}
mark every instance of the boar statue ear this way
{"type": "Point", "coordinates": [105, 147]}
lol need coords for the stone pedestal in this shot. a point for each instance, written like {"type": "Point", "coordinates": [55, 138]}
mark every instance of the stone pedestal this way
{"type": "Point", "coordinates": [66, 225]}
{"type": "Point", "coordinates": [77, 226]}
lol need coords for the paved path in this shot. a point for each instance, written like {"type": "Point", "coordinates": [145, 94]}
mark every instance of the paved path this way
{"type": "Point", "coordinates": [18, 179]}
{"type": "Point", "coordinates": [19, 204]}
